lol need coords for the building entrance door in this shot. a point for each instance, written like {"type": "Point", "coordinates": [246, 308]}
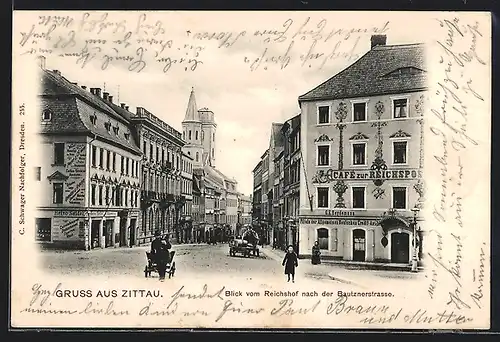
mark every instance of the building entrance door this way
{"type": "Point", "coordinates": [359, 245]}
{"type": "Point", "coordinates": [132, 231]}
{"type": "Point", "coordinates": [400, 248]}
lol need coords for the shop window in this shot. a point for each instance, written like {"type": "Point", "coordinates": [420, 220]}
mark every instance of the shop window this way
{"type": "Point", "coordinates": [43, 229]}
{"type": "Point", "coordinates": [323, 238]}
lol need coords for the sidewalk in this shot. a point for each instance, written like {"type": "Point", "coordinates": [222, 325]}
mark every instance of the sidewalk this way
{"type": "Point", "coordinates": [347, 272]}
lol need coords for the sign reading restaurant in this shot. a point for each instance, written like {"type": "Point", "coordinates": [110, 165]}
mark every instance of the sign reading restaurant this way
{"type": "Point", "coordinates": [330, 175]}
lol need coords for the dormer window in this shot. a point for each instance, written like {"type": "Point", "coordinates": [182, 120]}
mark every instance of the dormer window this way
{"type": "Point", "coordinates": [107, 125]}
{"type": "Point", "coordinates": [127, 135]}
{"type": "Point", "coordinates": [407, 71]}
{"type": "Point", "coordinates": [116, 129]}
{"type": "Point", "coordinates": [47, 115]}
{"type": "Point", "coordinates": [93, 119]}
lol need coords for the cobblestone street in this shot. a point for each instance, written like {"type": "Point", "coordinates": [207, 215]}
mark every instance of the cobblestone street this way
{"type": "Point", "coordinates": [201, 261]}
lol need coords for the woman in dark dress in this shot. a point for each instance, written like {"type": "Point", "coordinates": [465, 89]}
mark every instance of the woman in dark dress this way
{"type": "Point", "coordinates": [316, 254]}
{"type": "Point", "coordinates": [290, 262]}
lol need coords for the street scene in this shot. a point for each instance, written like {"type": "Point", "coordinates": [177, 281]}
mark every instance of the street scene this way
{"type": "Point", "coordinates": [335, 196]}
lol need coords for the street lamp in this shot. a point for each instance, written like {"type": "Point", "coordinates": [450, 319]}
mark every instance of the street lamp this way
{"type": "Point", "coordinates": [414, 261]}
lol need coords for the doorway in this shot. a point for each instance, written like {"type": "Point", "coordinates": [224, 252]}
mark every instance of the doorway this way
{"type": "Point", "coordinates": [123, 231]}
{"type": "Point", "coordinates": [132, 231]}
{"type": "Point", "coordinates": [108, 232]}
{"type": "Point", "coordinates": [94, 234]}
{"type": "Point", "coordinates": [400, 248]}
{"type": "Point", "coordinates": [359, 245]}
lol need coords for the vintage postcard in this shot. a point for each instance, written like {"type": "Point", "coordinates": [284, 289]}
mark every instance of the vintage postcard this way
{"type": "Point", "coordinates": [251, 170]}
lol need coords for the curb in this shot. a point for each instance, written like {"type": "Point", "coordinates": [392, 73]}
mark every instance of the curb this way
{"type": "Point", "coordinates": [342, 280]}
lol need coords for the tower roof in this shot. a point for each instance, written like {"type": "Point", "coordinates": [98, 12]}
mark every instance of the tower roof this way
{"type": "Point", "coordinates": [192, 109]}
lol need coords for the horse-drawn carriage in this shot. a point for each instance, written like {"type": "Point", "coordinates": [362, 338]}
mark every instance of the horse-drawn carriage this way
{"type": "Point", "coordinates": [152, 265]}
{"type": "Point", "coordinates": [247, 245]}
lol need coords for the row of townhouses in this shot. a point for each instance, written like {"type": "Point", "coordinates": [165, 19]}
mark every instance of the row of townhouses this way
{"type": "Point", "coordinates": [109, 177]}
{"type": "Point", "coordinates": [347, 171]}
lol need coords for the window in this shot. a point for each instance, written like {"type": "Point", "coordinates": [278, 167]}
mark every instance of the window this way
{"type": "Point", "coordinates": [122, 165]}
{"type": "Point", "coordinates": [38, 173]}
{"type": "Point", "coordinates": [46, 115]}
{"type": "Point", "coordinates": [197, 156]}
{"type": "Point", "coordinates": [359, 112]}
{"type": "Point", "coordinates": [59, 153]}
{"type": "Point", "coordinates": [94, 156]}
{"type": "Point", "coordinates": [189, 135]}
{"type": "Point", "coordinates": [399, 197]}
{"type": "Point", "coordinates": [359, 154]}
{"type": "Point", "coordinates": [157, 153]}
{"type": "Point", "coordinates": [400, 108]}
{"type": "Point", "coordinates": [100, 194]}
{"type": "Point", "coordinates": [107, 125]}
{"type": "Point", "coordinates": [43, 229]}
{"type": "Point", "coordinates": [127, 166]}
{"type": "Point", "coordinates": [358, 197]}
{"type": "Point", "coordinates": [213, 153]}
{"type": "Point", "coordinates": [323, 155]}
{"type": "Point", "coordinates": [323, 238]}
{"type": "Point", "coordinates": [114, 161]}
{"type": "Point", "coordinates": [57, 193]}
{"type": "Point", "coordinates": [184, 135]}
{"type": "Point", "coordinates": [213, 137]}
{"type": "Point", "coordinates": [92, 194]}
{"type": "Point", "coordinates": [162, 156]}
{"type": "Point", "coordinates": [399, 152]}
{"type": "Point", "coordinates": [323, 194]}
{"type": "Point", "coordinates": [116, 129]}
{"type": "Point", "coordinates": [150, 151]}
{"type": "Point", "coordinates": [196, 135]}
{"type": "Point", "coordinates": [101, 157]}
{"type": "Point", "coordinates": [323, 115]}
{"type": "Point", "coordinates": [144, 148]}
{"type": "Point", "coordinates": [108, 160]}
{"type": "Point", "coordinates": [93, 119]}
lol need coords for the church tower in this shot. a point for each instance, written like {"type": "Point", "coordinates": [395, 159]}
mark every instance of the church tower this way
{"type": "Point", "coordinates": [208, 140]}
{"type": "Point", "coordinates": [192, 132]}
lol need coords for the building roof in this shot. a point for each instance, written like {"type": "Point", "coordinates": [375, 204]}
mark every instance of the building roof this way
{"type": "Point", "coordinates": [72, 107]}
{"type": "Point", "coordinates": [192, 109]}
{"type": "Point", "coordinates": [376, 73]}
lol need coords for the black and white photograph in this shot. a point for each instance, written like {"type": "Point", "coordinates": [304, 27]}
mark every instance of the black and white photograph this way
{"type": "Point", "coordinates": [251, 169]}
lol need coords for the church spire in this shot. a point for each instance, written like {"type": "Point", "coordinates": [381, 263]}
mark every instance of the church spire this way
{"type": "Point", "coordinates": [192, 109]}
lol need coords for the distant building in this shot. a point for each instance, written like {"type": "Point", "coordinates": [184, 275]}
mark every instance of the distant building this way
{"type": "Point", "coordinates": [362, 145]}
{"type": "Point", "coordinates": [88, 168]}
{"type": "Point", "coordinates": [218, 201]}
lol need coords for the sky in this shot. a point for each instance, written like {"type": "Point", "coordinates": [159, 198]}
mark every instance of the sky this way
{"type": "Point", "coordinates": [246, 97]}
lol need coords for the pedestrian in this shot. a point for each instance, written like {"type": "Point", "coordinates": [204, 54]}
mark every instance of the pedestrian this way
{"type": "Point", "coordinates": [316, 254]}
{"type": "Point", "coordinates": [290, 262]}
{"type": "Point", "coordinates": [163, 258]}
{"type": "Point", "coordinates": [155, 245]}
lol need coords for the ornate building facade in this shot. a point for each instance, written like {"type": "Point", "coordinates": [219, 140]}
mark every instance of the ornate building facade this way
{"type": "Point", "coordinates": [362, 143]}
{"type": "Point", "coordinates": [162, 200]}
{"type": "Point", "coordinates": [88, 168]}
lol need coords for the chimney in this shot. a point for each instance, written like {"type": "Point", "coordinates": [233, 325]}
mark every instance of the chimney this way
{"type": "Point", "coordinates": [105, 95]}
{"type": "Point", "coordinates": [41, 62]}
{"type": "Point", "coordinates": [92, 91]}
{"type": "Point", "coordinates": [110, 98]}
{"type": "Point", "coordinates": [84, 87]}
{"type": "Point", "coordinates": [98, 91]}
{"type": "Point", "coordinates": [378, 39]}
{"type": "Point", "coordinates": [57, 72]}
{"type": "Point", "coordinates": [122, 105]}
{"type": "Point", "coordinates": [126, 108]}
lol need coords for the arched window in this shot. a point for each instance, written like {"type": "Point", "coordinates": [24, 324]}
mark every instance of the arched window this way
{"type": "Point", "coordinates": [323, 238]}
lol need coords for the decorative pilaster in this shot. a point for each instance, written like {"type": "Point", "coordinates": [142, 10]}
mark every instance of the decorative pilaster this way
{"type": "Point", "coordinates": [341, 115]}
{"type": "Point", "coordinates": [379, 163]}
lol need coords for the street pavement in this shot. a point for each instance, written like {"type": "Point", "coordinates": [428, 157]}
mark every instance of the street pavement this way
{"type": "Point", "coordinates": [201, 261]}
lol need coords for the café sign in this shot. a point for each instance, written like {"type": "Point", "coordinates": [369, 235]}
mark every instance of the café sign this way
{"type": "Point", "coordinates": [331, 175]}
